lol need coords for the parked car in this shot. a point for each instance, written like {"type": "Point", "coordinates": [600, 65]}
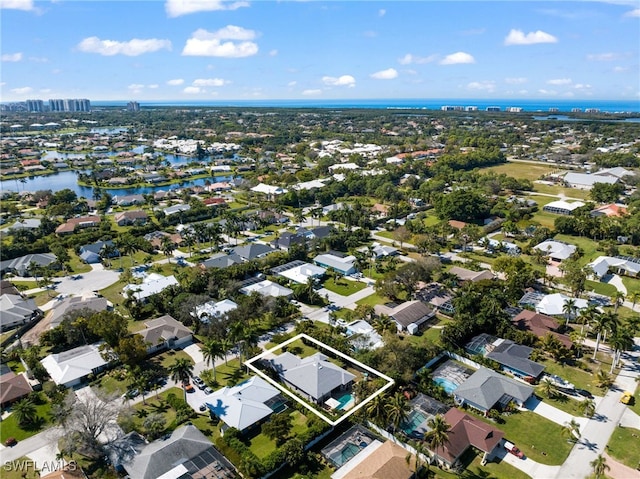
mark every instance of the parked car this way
{"type": "Point", "coordinates": [189, 388]}
{"type": "Point", "coordinates": [208, 390]}
{"type": "Point", "coordinates": [132, 393]}
{"type": "Point", "coordinates": [10, 442]}
{"type": "Point", "coordinates": [511, 447]}
{"type": "Point", "coordinates": [203, 407]}
{"type": "Point", "coordinates": [198, 381]}
{"type": "Point", "coordinates": [584, 393]}
{"type": "Point", "coordinates": [627, 398]}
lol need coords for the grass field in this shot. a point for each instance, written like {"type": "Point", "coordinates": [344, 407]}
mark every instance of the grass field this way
{"type": "Point", "coordinates": [11, 427]}
{"type": "Point", "coordinates": [21, 468]}
{"type": "Point", "coordinates": [373, 300]}
{"type": "Point", "coordinates": [623, 446]}
{"type": "Point", "coordinates": [474, 470]}
{"type": "Point", "coordinates": [344, 287]}
{"type": "Point", "coordinates": [561, 191]}
{"type": "Point", "coordinates": [527, 171]}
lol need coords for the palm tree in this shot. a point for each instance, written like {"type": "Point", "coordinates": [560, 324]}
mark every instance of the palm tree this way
{"type": "Point", "coordinates": [572, 431]}
{"type": "Point", "coordinates": [168, 247]}
{"type": "Point", "coordinates": [376, 408]}
{"type": "Point", "coordinates": [599, 465]}
{"type": "Point", "coordinates": [598, 326]}
{"type": "Point", "coordinates": [618, 299]}
{"type": "Point", "coordinates": [180, 371]}
{"type": "Point", "coordinates": [438, 436]}
{"type": "Point", "coordinates": [25, 412]}
{"type": "Point", "coordinates": [397, 409]}
{"type": "Point", "coordinates": [603, 380]}
{"type": "Point", "coordinates": [211, 350]}
{"type": "Point", "coordinates": [548, 387]}
{"type": "Point", "coordinates": [569, 309]}
{"type": "Point", "coordinates": [635, 296]}
{"type": "Point", "coordinates": [587, 315]}
{"type": "Point", "coordinates": [622, 340]}
{"type": "Point", "coordinates": [383, 324]}
{"type": "Point", "coordinates": [587, 407]}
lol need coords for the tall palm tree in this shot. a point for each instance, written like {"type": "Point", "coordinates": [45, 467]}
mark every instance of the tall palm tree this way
{"type": "Point", "coordinates": [599, 465]}
{"type": "Point", "coordinates": [569, 309]}
{"type": "Point", "coordinates": [383, 324]}
{"type": "Point", "coordinates": [634, 298]}
{"type": "Point", "coordinates": [438, 435]}
{"type": "Point", "coordinates": [622, 340]}
{"type": "Point", "coordinates": [587, 315]}
{"type": "Point", "coordinates": [618, 299]}
{"type": "Point", "coordinates": [168, 247]}
{"type": "Point", "coordinates": [376, 408]}
{"type": "Point", "coordinates": [211, 350]}
{"type": "Point", "coordinates": [587, 407]}
{"type": "Point", "coordinates": [603, 380]}
{"type": "Point", "coordinates": [598, 326]}
{"type": "Point", "coordinates": [180, 371]}
{"type": "Point", "coordinates": [572, 431]}
{"type": "Point", "coordinates": [25, 412]}
{"type": "Point", "coordinates": [397, 409]}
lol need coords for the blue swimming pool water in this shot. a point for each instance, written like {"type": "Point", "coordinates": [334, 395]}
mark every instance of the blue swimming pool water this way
{"type": "Point", "coordinates": [344, 400]}
{"type": "Point", "coordinates": [448, 386]}
{"type": "Point", "coordinates": [413, 422]}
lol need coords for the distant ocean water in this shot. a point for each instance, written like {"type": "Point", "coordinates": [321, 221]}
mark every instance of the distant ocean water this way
{"type": "Point", "coordinates": [608, 106]}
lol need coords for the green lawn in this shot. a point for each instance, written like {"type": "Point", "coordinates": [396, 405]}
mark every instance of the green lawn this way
{"type": "Point", "coordinates": [578, 377]}
{"type": "Point", "coordinates": [113, 292]}
{"type": "Point", "coordinates": [11, 428]}
{"type": "Point", "coordinates": [624, 446]}
{"type": "Point", "coordinates": [76, 265]}
{"type": "Point", "coordinates": [527, 171]}
{"type": "Point", "coordinates": [262, 446]}
{"type": "Point", "coordinates": [600, 288]}
{"type": "Point", "coordinates": [24, 285]}
{"type": "Point", "coordinates": [21, 468]}
{"type": "Point", "coordinates": [493, 470]}
{"type": "Point", "coordinates": [344, 287]}
{"type": "Point", "coordinates": [560, 190]}
{"type": "Point", "coordinates": [156, 405]}
{"type": "Point", "coordinates": [169, 357]}
{"type": "Point", "coordinates": [587, 245]}
{"type": "Point", "coordinates": [562, 402]}
{"type": "Point", "coordinates": [632, 285]}
{"type": "Point", "coordinates": [373, 299]}
{"type": "Point", "coordinates": [635, 407]}
{"type": "Point", "coordinates": [535, 435]}
{"type": "Point", "coordinates": [231, 373]}
{"type": "Point", "coordinates": [544, 218]}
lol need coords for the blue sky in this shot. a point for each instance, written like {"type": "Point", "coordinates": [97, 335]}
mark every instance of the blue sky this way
{"type": "Point", "coordinates": [234, 50]}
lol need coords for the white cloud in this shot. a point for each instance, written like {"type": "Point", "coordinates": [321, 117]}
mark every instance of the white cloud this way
{"type": "Point", "coordinates": [409, 59]}
{"type": "Point", "coordinates": [192, 90]}
{"type": "Point", "coordinates": [633, 13]}
{"type": "Point", "coordinates": [215, 82]}
{"type": "Point", "coordinates": [487, 85]}
{"type": "Point", "coordinates": [175, 82]}
{"type": "Point", "coordinates": [382, 12]}
{"type": "Point", "coordinates": [39, 59]}
{"type": "Point", "coordinates": [12, 57]}
{"type": "Point", "coordinates": [517, 37]}
{"type": "Point", "coordinates": [131, 48]}
{"type": "Point", "coordinates": [515, 80]}
{"type": "Point", "coordinates": [273, 53]}
{"type": "Point", "coordinates": [388, 74]}
{"type": "Point", "coordinates": [344, 80]}
{"type": "Point", "coordinates": [26, 5]}
{"type": "Point", "coordinates": [210, 44]}
{"type": "Point", "coordinates": [153, 86]}
{"type": "Point", "coordinates": [582, 86]}
{"type": "Point", "coordinates": [176, 8]}
{"type": "Point", "coordinates": [619, 69]}
{"type": "Point", "coordinates": [311, 92]}
{"type": "Point", "coordinates": [22, 91]}
{"type": "Point", "coordinates": [136, 86]}
{"type": "Point", "coordinates": [292, 83]}
{"type": "Point", "coordinates": [559, 81]}
{"type": "Point", "coordinates": [602, 57]}
{"type": "Point", "coordinates": [457, 58]}
{"type": "Point", "coordinates": [542, 91]}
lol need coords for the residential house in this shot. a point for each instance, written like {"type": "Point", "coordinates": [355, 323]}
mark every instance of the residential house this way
{"type": "Point", "coordinates": [26, 224]}
{"type": "Point", "coordinates": [212, 310]}
{"type": "Point", "coordinates": [246, 405]}
{"type": "Point", "coordinates": [486, 389]}
{"type": "Point", "coordinates": [363, 336]}
{"type": "Point", "coordinates": [17, 311]}
{"type": "Point", "coordinates": [541, 325]}
{"type": "Point", "coordinates": [252, 251]}
{"type": "Point", "coordinates": [91, 253]}
{"type": "Point", "coordinates": [156, 238]}
{"type": "Point", "coordinates": [70, 368]}
{"type": "Point", "coordinates": [76, 223]}
{"type": "Point", "coordinates": [466, 275]}
{"type": "Point", "coordinates": [13, 387]}
{"type": "Point", "coordinates": [410, 316]}
{"type": "Point", "coordinates": [71, 470]}
{"type": "Point", "coordinates": [221, 260]}
{"type": "Point", "coordinates": [186, 453]}
{"type": "Point", "coordinates": [554, 304]}
{"type": "Point", "coordinates": [165, 332]}
{"type": "Point", "coordinates": [604, 265]}
{"type": "Point", "coordinates": [562, 207]}
{"type": "Point", "coordinates": [466, 431]}
{"type": "Point", "coordinates": [89, 303]}
{"type": "Point", "coordinates": [344, 265]}
{"type": "Point", "coordinates": [128, 200]}
{"type": "Point", "coordinates": [457, 224]}
{"type": "Point", "coordinates": [151, 284]}
{"type": "Point", "coordinates": [299, 271]}
{"type": "Point", "coordinates": [436, 295]}
{"type": "Point", "coordinates": [287, 239]}
{"type": "Point", "coordinates": [616, 172]}
{"type": "Point", "coordinates": [315, 377]}
{"type": "Point", "coordinates": [611, 210]}
{"type": "Point", "coordinates": [179, 208]}
{"type": "Point", "coordinates": [379, 460]}
{"type": "Point", "coordinates": [269, 190]}
{"type": "Point", "coordinates": [267, 288]}
{"type": "Point", "coordinates": [133, 217]}
{"type": "Point", "coordinates": [382, 251]}
{"type": "Point", "coordinates": [380, 210]}
{"type": "Point", "coordinates": [556, 250]}
{"type": "Point", "coordinates": [20, 266]}
{"type": "Point", "coordinates": [513, 358]}
{"type": "Point", "coordinates": [7, 287]}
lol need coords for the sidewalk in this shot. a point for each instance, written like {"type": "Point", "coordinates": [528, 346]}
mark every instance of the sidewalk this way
{"type": "Point", "coordinates": [619, 470]}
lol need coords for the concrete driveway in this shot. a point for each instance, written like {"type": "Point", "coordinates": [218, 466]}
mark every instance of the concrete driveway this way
{"type": "Point", "coordinates": [96, 279]}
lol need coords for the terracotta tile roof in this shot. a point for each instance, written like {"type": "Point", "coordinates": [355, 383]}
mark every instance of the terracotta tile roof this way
{"type": "Point", "coordinates": [540, 325]}
{"type": "Point", "coordinates": [387, 462]}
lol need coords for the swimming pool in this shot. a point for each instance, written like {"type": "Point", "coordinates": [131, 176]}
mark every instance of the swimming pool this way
{"type": "Point", "coordinates": [447, 384]}
{"type": "Point", "coordinates": [413, 422]}
{"type": "Point", "coordinates": [346, 401]}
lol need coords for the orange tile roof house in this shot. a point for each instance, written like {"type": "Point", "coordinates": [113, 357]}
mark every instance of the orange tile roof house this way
{"type": "Point", "coordinates": [466, 431]}
{"type": "Point", "coordinates": [81, 222]}
{"type": "Point", "coordinates": [13, 387]}
{"type": "Point", "coordinates": [540, 325]}
{"type": "Point", "coordinates": [610, 210]}
{"type": "Point", "coordinates": [387, 461]}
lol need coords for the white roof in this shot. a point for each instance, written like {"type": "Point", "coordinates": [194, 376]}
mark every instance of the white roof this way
{"type": "Point", "coordinates": [69, 366]}
{"type": "Point", "coordinates": [564, 205]}
{"type": "Point", "coordinates": [242, 405]}
{"type": "Point", "coordinates": [212, 309]}
{"type": "Point", "coordinates": [602, 264]}
{"type": "Point", "coordinates": [553, 304]}
{"type": "Point", "coordinates": [268, 189]}
{"type": "Point", "coordinates": [309, 185]}
{"type": "Point", "coordinates": [152, 284]}
{"type": "Point", "coordinates": [344, 166]}
{"type": "Point", "coordinates": [369, 338]}
{"type": "Point", "coordinates": [588, 180]}
{"type": "Point", "coordinates": [556, 249]}
{"type": "Point", "coordinates": [618, 172]}
{"type": "Point", "coordinates": [267, 288]}
{"type": "Point", "coordinates": [336, 262]}
{"type": "Point", "coordinates": [302, 273]}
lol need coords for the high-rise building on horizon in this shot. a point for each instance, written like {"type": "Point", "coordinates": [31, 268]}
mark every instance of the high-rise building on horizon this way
{"type": "Point", "coordinates": [133, 106]}
{"type": "Point", "coordinates": [35, 105]}
{"type": "Point", "coordinates": [69, 104]}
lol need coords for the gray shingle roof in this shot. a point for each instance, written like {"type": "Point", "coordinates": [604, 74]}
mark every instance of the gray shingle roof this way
{"type": "Point", "coordinates": [516, 356]}
{"type": "Point", "coordinates": [486, 387]}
